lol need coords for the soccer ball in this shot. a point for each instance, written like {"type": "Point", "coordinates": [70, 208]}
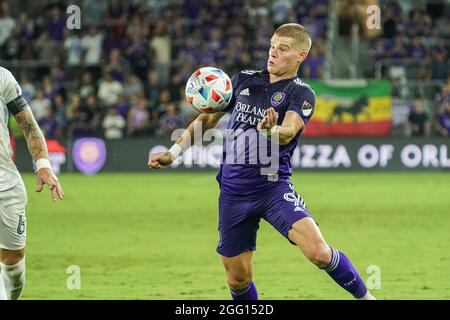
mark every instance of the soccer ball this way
{"type": "Point", "coordinates": [209, 90]}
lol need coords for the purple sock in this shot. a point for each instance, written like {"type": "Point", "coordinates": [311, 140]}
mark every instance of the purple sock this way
{"type": "Point", "coordinates": [344, 273]}
{"type": "Point", "coordinates": [248, 293]}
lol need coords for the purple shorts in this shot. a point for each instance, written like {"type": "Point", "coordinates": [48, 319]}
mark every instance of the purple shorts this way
{"type": "Point", "coordinates": [239, 216]}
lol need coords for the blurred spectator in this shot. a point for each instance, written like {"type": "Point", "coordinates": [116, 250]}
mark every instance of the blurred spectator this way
{"type": "Point", "coordinates": [87, 86]}
{"type": "Point", "coordinates": [56, 23]}
{"type": "Point", "coordinates": [139, 119]}
{"type": "Point", "coordinates": [171, 120]}
{"type": "Point", "coordinates": [122, 106]}
{"type": "Point", "coordinates": [417, 50]}
{"type": "Point", "coordinates": [133, 86]}
{"type": "Point", "coordinates": [390, 23]}
{"type": "Point", "coordinates": [93, 11]}
{"type": "Point", "coordinates": [48, 123]}
{"type": "Point", "coordinates": [152, 88]}
{"type": "Point", "coordinates": [25, 34]}
{"type": "Point", "coordinates": [7, 24]}
{"type": "Point", "coordinates": [91, 110]}
{"type": "Point", "coordinates": [109, 90]}
{"type": "Point", "coordinates": [28, 89]}
{"type": "Point", "coordinates": [398, 50]}
{"type": "Point", "coordinates": [439, 66]}
{"type": "Point", "coordinates": [92, 45]}
{"type": "Point", "coordinates": [39, 104]}
{"type": "Point", "coordinates": [48, 88]}
{"type": "Point", "coordinates": [78, 124]}
{"type": "Point", "coordinates": [418, 124]}
{"type": "Point", "coordinates": [60, 112]}
{"type": "Point", "coordinates": [280, 10]}
{"type": "Point", "coordinates": [164, 100]}
{"type": "Point", "coordinates": [443, 121]}
{"type": "Point", "coordinates": [74, 49]}
{"type": "Point", "coordinates": [256, 9]}
{"type": "Point", "coordinates": [175, 84]}
{"type": "Point", "coordinates": [161, 45]}
{"type": "Point", "coordinates": [113, 124]}
{"type": "Point", "coordinates": [313, 67]}
{"type": "Point", "coordinates": [442, 98]}
{"type": "Point", "coordinates": [115, 16]}
{"type": "Point", "coordinates": [137, 51]}
{"type": "Point", "coordinates": [46, 47]}
{"type": "Point", "coordinates": [58, 75]}
{"type": "Point", "coordinates": [25, 28]}
{"type": "Point", "coordinates": [117, 66]}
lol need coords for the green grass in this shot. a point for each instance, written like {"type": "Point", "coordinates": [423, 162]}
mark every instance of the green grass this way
{"type": "Point", "coordinates": [153, 236]}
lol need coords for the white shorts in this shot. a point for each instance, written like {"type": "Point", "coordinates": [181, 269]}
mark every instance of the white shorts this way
{"type": "Point", "coordinates": [12, 217]}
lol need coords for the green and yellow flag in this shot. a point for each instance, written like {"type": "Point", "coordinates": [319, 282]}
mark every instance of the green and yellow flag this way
{"type": "Point", "coordinates": [361, 108]}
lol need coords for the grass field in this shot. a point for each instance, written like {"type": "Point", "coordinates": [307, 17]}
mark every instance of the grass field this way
{"type": "Point", "coordinates": [153, 236]}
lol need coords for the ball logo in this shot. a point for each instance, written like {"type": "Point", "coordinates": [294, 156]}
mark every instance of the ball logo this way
{"type": "Point", "coordinates": [277, 98]}
{"type": "Point", "coordinates": [89, 155]}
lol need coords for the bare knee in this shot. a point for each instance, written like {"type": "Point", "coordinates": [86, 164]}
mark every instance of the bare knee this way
{"type": "Point", "coordinates": [320, 255]}
{"type": "Point", "coordinates": [11, 257]}
{"type": "Point", "coordinates": [239, 270]}
{"type": "Point", "coordinates": [238, 280]}
{"type": "Point", "coordinates": [309, 239]}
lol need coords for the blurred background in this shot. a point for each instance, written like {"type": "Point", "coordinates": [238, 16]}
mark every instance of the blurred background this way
{"type": "Point", "coordinates": [111, 92]}
{"type": "Point", "coordinates": [122, 73]}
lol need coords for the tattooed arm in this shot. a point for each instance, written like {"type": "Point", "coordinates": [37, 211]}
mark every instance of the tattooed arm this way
{"type": "Point", "coordinates": [32, 133]}
{"type": "Point", "coordinates": [38, 150]}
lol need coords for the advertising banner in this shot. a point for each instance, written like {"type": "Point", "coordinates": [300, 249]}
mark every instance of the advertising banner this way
{"type": "Point", "coordinates": [93, 155]}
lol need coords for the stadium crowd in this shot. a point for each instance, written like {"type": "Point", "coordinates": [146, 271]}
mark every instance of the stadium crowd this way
{"type": "Point", "coordinates": [123, 73]}
{"type": "Point", "coordinates": [414, 44]}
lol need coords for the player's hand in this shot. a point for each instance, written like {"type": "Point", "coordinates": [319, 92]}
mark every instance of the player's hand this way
{"type": "Point", "coordinates": [159, 160]}
{"type": "Point", "coordinates": [269, 120]}
{"type": "Point", "coordinates": [46, 176]}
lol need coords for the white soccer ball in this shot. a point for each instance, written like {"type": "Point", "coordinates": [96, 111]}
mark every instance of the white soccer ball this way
{"type": "Point", "coordinates": [209, 90]}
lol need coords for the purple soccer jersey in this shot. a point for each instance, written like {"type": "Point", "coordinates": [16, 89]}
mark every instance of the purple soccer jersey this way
{"type": "Point", "coordinates": [247, 192]}
{"type": "Point", "coordinates": [247, 195]}
{"type": "Point", "coordinates": [246, 151]}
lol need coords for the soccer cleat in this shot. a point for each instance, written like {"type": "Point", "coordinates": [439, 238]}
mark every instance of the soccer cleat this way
{"type": "Point", "coordinates": [367, 296]}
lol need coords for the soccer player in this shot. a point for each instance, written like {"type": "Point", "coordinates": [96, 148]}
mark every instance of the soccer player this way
{"type": "Point", "coordinates": [276, 103]}
{"type": "Point", "coordinates": [13, 197]}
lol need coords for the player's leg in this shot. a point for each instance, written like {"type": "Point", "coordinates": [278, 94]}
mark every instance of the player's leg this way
{"type": "Point", "coordinates": [309, 239]}
{"type": "Point", "coordinates": [13, 272]}
{"type": "Point", "coordinates": [238, 225]}
{"type": "Point", "coordinates": [288, 214]}
{"type": "Point", "coordinates": [239, 271]}
{"type": "Point", "coordinates": [12, 240]}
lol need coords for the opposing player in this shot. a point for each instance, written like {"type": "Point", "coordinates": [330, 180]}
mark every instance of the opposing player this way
{"type": "Point", "coordinates": [13, 197]}
{"type": "Point", "coordinates": [276, 103]}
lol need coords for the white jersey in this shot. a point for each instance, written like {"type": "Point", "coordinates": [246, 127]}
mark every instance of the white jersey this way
{"type": "Point", "coordinates": [9, 90]}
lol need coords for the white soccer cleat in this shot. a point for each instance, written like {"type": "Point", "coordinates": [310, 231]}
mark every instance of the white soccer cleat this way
{"type": "Point", "coordinates": [367, 296]}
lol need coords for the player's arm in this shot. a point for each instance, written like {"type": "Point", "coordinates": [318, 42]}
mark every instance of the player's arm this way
{"type": "Point", "coordinates": [202, 123]}
{"type": "Point", "coordinates": [286, 131]}
{"type": "Point", "coordinates": [38, 150]}
{"type": "Point", "coordinates": [298, 113]}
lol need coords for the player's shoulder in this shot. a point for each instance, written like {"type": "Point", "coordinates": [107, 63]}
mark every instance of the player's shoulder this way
{"type": "Point", "coordinates": [3, 70]}
{"type": "Point", "coordinates": [301, 87]}
{"type": "Point", "coordinates": [5, 74]}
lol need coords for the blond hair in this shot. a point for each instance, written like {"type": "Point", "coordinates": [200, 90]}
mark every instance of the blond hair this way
{"type": "Point", "coordinates": [297, 32]}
